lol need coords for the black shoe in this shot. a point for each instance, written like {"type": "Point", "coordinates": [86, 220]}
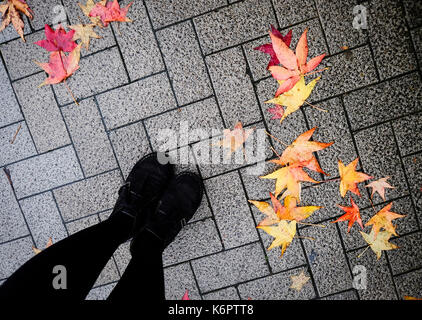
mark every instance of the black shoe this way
{"type": "Point", "coordinates": [175, 208]}
{"type": "Point", "coordinates": [144, 187]}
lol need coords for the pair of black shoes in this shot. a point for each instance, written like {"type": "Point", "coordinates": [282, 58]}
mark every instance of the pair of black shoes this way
{"type": "Point", "coordinates": [159, 202]}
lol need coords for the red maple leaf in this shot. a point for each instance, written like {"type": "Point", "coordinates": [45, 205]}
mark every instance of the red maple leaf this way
{"type": "Point", "coordinates": [111, 12]}
{"type": "Point", "coordinates": [352, 215]}
{"type": "Point", "coordinates": [277, 112]}
{"type": "Point", "coordinates": [268, 47]}
{"type": "Point", "coordinates": [57, 40]}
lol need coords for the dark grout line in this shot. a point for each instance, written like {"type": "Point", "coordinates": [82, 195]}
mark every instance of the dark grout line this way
{"type": "Point", "coordinates": [322, 29]}
{"type": "Point", "coordinates": [120, 53]}
{"type": "Point", "coordinates": [15, 239]}
{"type": "Point", "coordinates": [59, 211]}
{"type": "Point", "coordinates": [196, 280]}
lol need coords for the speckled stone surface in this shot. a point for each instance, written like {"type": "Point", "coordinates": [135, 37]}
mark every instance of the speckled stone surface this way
{"type": "Point", "coordinates": [89, 137]}
{"type": "Point", "coordinates": [187, 65]}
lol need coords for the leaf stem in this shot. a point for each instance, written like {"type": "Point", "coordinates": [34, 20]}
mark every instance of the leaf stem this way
{"type": "Point", "coordinates": [303, 237]}
{"type": "Point", "coordinates": [363, 252]}
{"type": "Point", "coordinates": [323, 110]}
{"type": "Point", "coordinates": [71, 93]}
{"type": "Point", "coordinates": [312, 224]}
{"type": "Point", "coordinates": [313, 72]}
{"type": "Point", "coordinates": [15, 135]}
{"type": "Point", "coordinates": [277, 139]}
{"type": "Point", "coordinates": [372, 205]}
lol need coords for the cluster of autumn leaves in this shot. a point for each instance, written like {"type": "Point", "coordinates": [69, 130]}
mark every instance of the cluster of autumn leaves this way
{"type": "Point", "coordinates": [289, 69]}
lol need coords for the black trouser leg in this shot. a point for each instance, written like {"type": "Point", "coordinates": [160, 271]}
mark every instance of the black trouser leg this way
{"type": "Point", "coordinates": [84, 256]}
{"type": "Point", "coordinates": [143, 279]}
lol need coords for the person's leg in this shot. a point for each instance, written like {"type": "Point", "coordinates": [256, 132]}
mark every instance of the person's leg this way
{"type": "Point", "coordinates": [83, 255]}
{"type": "Point", "coordinates": [143, 279]}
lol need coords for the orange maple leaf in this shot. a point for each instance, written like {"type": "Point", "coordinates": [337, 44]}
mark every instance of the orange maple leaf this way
{"type": "Point", "coordinates": [352, 215]}
{"type": "Point", "coordinates": [60, 67]}
{"type": "Point", "coordinates": [10, 14]}
{"type": "Point", "coordinates": [302, 150]}
{"type": "Point", "coordinates": [382, 219]}
{"type": "Point", "coordinates": [294, 65]}
{"type": "Point", "coordinates": [349, 177]}
{"type": "Point", "coordinates": [234, 139]}
{"type": "Point", "coordinates": [290, 177]}
{"type": "Point", "coordinates": [379, 186]}
{"type": "Point", "coordinates": [111, 12]}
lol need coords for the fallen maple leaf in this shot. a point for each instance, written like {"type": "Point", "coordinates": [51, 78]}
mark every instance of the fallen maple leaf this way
{"type": "Point", "coordinates": [295, 97]}
{"type": "Point", "coordinates": [234, 139]}
{"type": "Point", "coordinates": [271, 212]}
{"type": "Point", "coordinates": [352, 215]}
{"type": "Point", "coordinates": [277, 112]}
{"type": "Point", "coordinates": [49, 244]}
{"type": "Point", "coordinates": [302, 150]}
{"type": "Point", "coordinates": [110, 12]}
{"type": "Point", "coordinates": [379, 186]}
{"type": "Point", "coordinates": [299, 281]}
{"type": "Point", "coordinates": [411, 298]}
{"type": "Point", "coordinates": [382, 219]}
{"type": "Point", "coordinates": [57, 40]}
{"type": "Point", "coordinates": [378, 243]}
{"type": "Point", "coordinates": [84, 32]}
{"type": "Point", "coordinates": [295, 65]}
{"type": "Point", "coordinates": [349, 177]}
{"type": "Point", "coordinates": [186, 295]}
{"type": "Point", "coordinates": [60, 67]}
{"type": "Point", "coordinates": [283, 233]}
{"type": "Point", "coordinates": [86, 9]}
{"type": "Point", "coordinates": [10, 14]}
{"type": "Point", "coordinates": [268, 48]}
{"type": "Point", "coordinates": [289, 177]}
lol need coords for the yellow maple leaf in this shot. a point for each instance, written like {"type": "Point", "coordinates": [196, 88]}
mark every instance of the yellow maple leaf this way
{"type": "Point", "coordinates": [378, 243]}
{"type": "Point", "coordinates": [295, 97]}
{"type": "Point", "coordinates": [49, 244]}
{"type": "Point", "coordinates": [86, 9]}
{"type": "Point", "coordinates": [349, 177]}
{"type": "Point", "coordinates": [299, 281]}
{"type": "Point", "coordinates": [382, 219]}
{"type": "Point", "coordinates": [84, 32]}
{"type": "Point", "coordinates": [283, 233]}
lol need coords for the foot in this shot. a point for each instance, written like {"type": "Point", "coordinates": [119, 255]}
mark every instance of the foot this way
{"type": "Point", "coordinates": [175, 208]}
{"type": "Point", "coordinates": [141, 192]}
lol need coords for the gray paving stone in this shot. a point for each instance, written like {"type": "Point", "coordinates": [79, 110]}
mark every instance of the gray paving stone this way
{"type": "Point", "coordinates": [100, 293]}
{"type": "Point", "coordinates": [177, 280]}
{"type": "Point", "coordinates": [122, 256]}
{"type": "Point", "coordinates": [413, 10]}
{"type": "Point", "coordinates": [229, 293]}
{"type": "Point", "coordinates": [164, 12]}
{"type": "Point", "coordinates": [43, 219]}
{"type": "Point", "coordinates": [231, 210]}
{"type": "Point", "coordinates": [290, 12]}
{"type": "Point", "coordinates": [108, 274]}
{"type": "Point", "coordinates": [194, 240]}
{"type": "Point", "coordinates": [14, 254]}
{"type": "Point", "coordinates": [42, 114]}
{"type": "Point", "coordinates": [384, 101]}
{"type": "Point", "coordinates": [22, 147]}
{"type": "Point", "coordinates": [412, 165]}
{"type": "Point", "coordinates": [10, 33]}
{"type": "Point", "coordinates": [390, 38]}
{"type": "Point", "coordinates": [76, 16]}
{"type": "Point", "coordinates": [89, 137]}
{"type": "Point", "coordinates": [404, 225]}
{"type": "Point", "coordinates": [12, 223]}
{"type": "Point", "coordinates": [347, 295]}
{"type": "Point", "coordinates": [234, 24]}
{"type": "Point", "coordinates": [203, 115]}
{"type": "Point", "coordinates": [380, 157]}
{"type": "Point", "coordinates": [329, 277]}
{"type": "Point", "coordinates": [408, 131]}
{"type": "Point", "coordinates": [138, 45]}
{"type": "Point", "coordinates": [233, 87]}
{"type": "Point", "coordinates": [276, 287]}
{"type": "Point", "coordinates": [130, 144]}
{"type": "Point", "coordinates": [45, 172]}
{"type": "Point", "coordinates": [186, 68]}
{"type": "Point", "coordinates": [97, 73]}
{"type": "Point", "coordinates": [347, 71]}
{"type": "Point", "coordinates": [417, 41]}
{"type": "Point", "coordinates": [409, 284]}
{"type": "Point", "coordinates": [408, 256]}
{"type": "Point", "coordinates": [19, 56]}
{"type": "Point", "coordinates": [213, 159]}
{"type": "Point", "coordinates": [88, 196]}
{"type": "Point", "coordinates": [230, 267]}
{"type": "Point", "coordinates": [332, 127]}
{"type": "Point", "coordinates": [379, 282]}
{"type": "Point", "coordinates": [257, 60]}
{"type": "Point", "coordinates": [292, 258]}
{"type": "Point", "coordinates": [136, 101]}
{"type": "Point", "coordinates": [337, 18]}
{"type": "Point", "coordinates": [81, 224]}
{"type": "Point", "coordinates": [256, 188]}
{"type": "Point", "coordinates": [105, 215]}
{"type": "Point", "coordinates": [47, 12]}
{"type": "Point", "coordinates": [9, 107]}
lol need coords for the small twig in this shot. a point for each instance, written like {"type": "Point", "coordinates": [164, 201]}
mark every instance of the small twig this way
{"type": "Point", "coordinates": [7, 173]}
{"type": "Point", "coordinates": [324, 181]}
{"type": "Point", "coordinates": [323, 110]}
{"type": "Point", "coordinates": [312, 224]}
{"type": "Point", "coordinates": [320, 70]}
{"type": "Point", "coordinates": [372, 205]}
{"type": "Point", "coordinates": [303, 237]}
{"type": "Point", "coordinates": [363, 252]}
{"type": "Point", "coordinates": [275, 152]}
{"type": "Point", "coordinates": [70, 91]}
{"type": "Point", "coordinates": [15, 135]}
{"type": "Point", "coordinates": [277, 139]}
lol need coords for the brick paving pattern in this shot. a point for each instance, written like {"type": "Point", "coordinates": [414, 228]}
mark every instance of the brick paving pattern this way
{"type": "Point", "coordinates": [194, 61]}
